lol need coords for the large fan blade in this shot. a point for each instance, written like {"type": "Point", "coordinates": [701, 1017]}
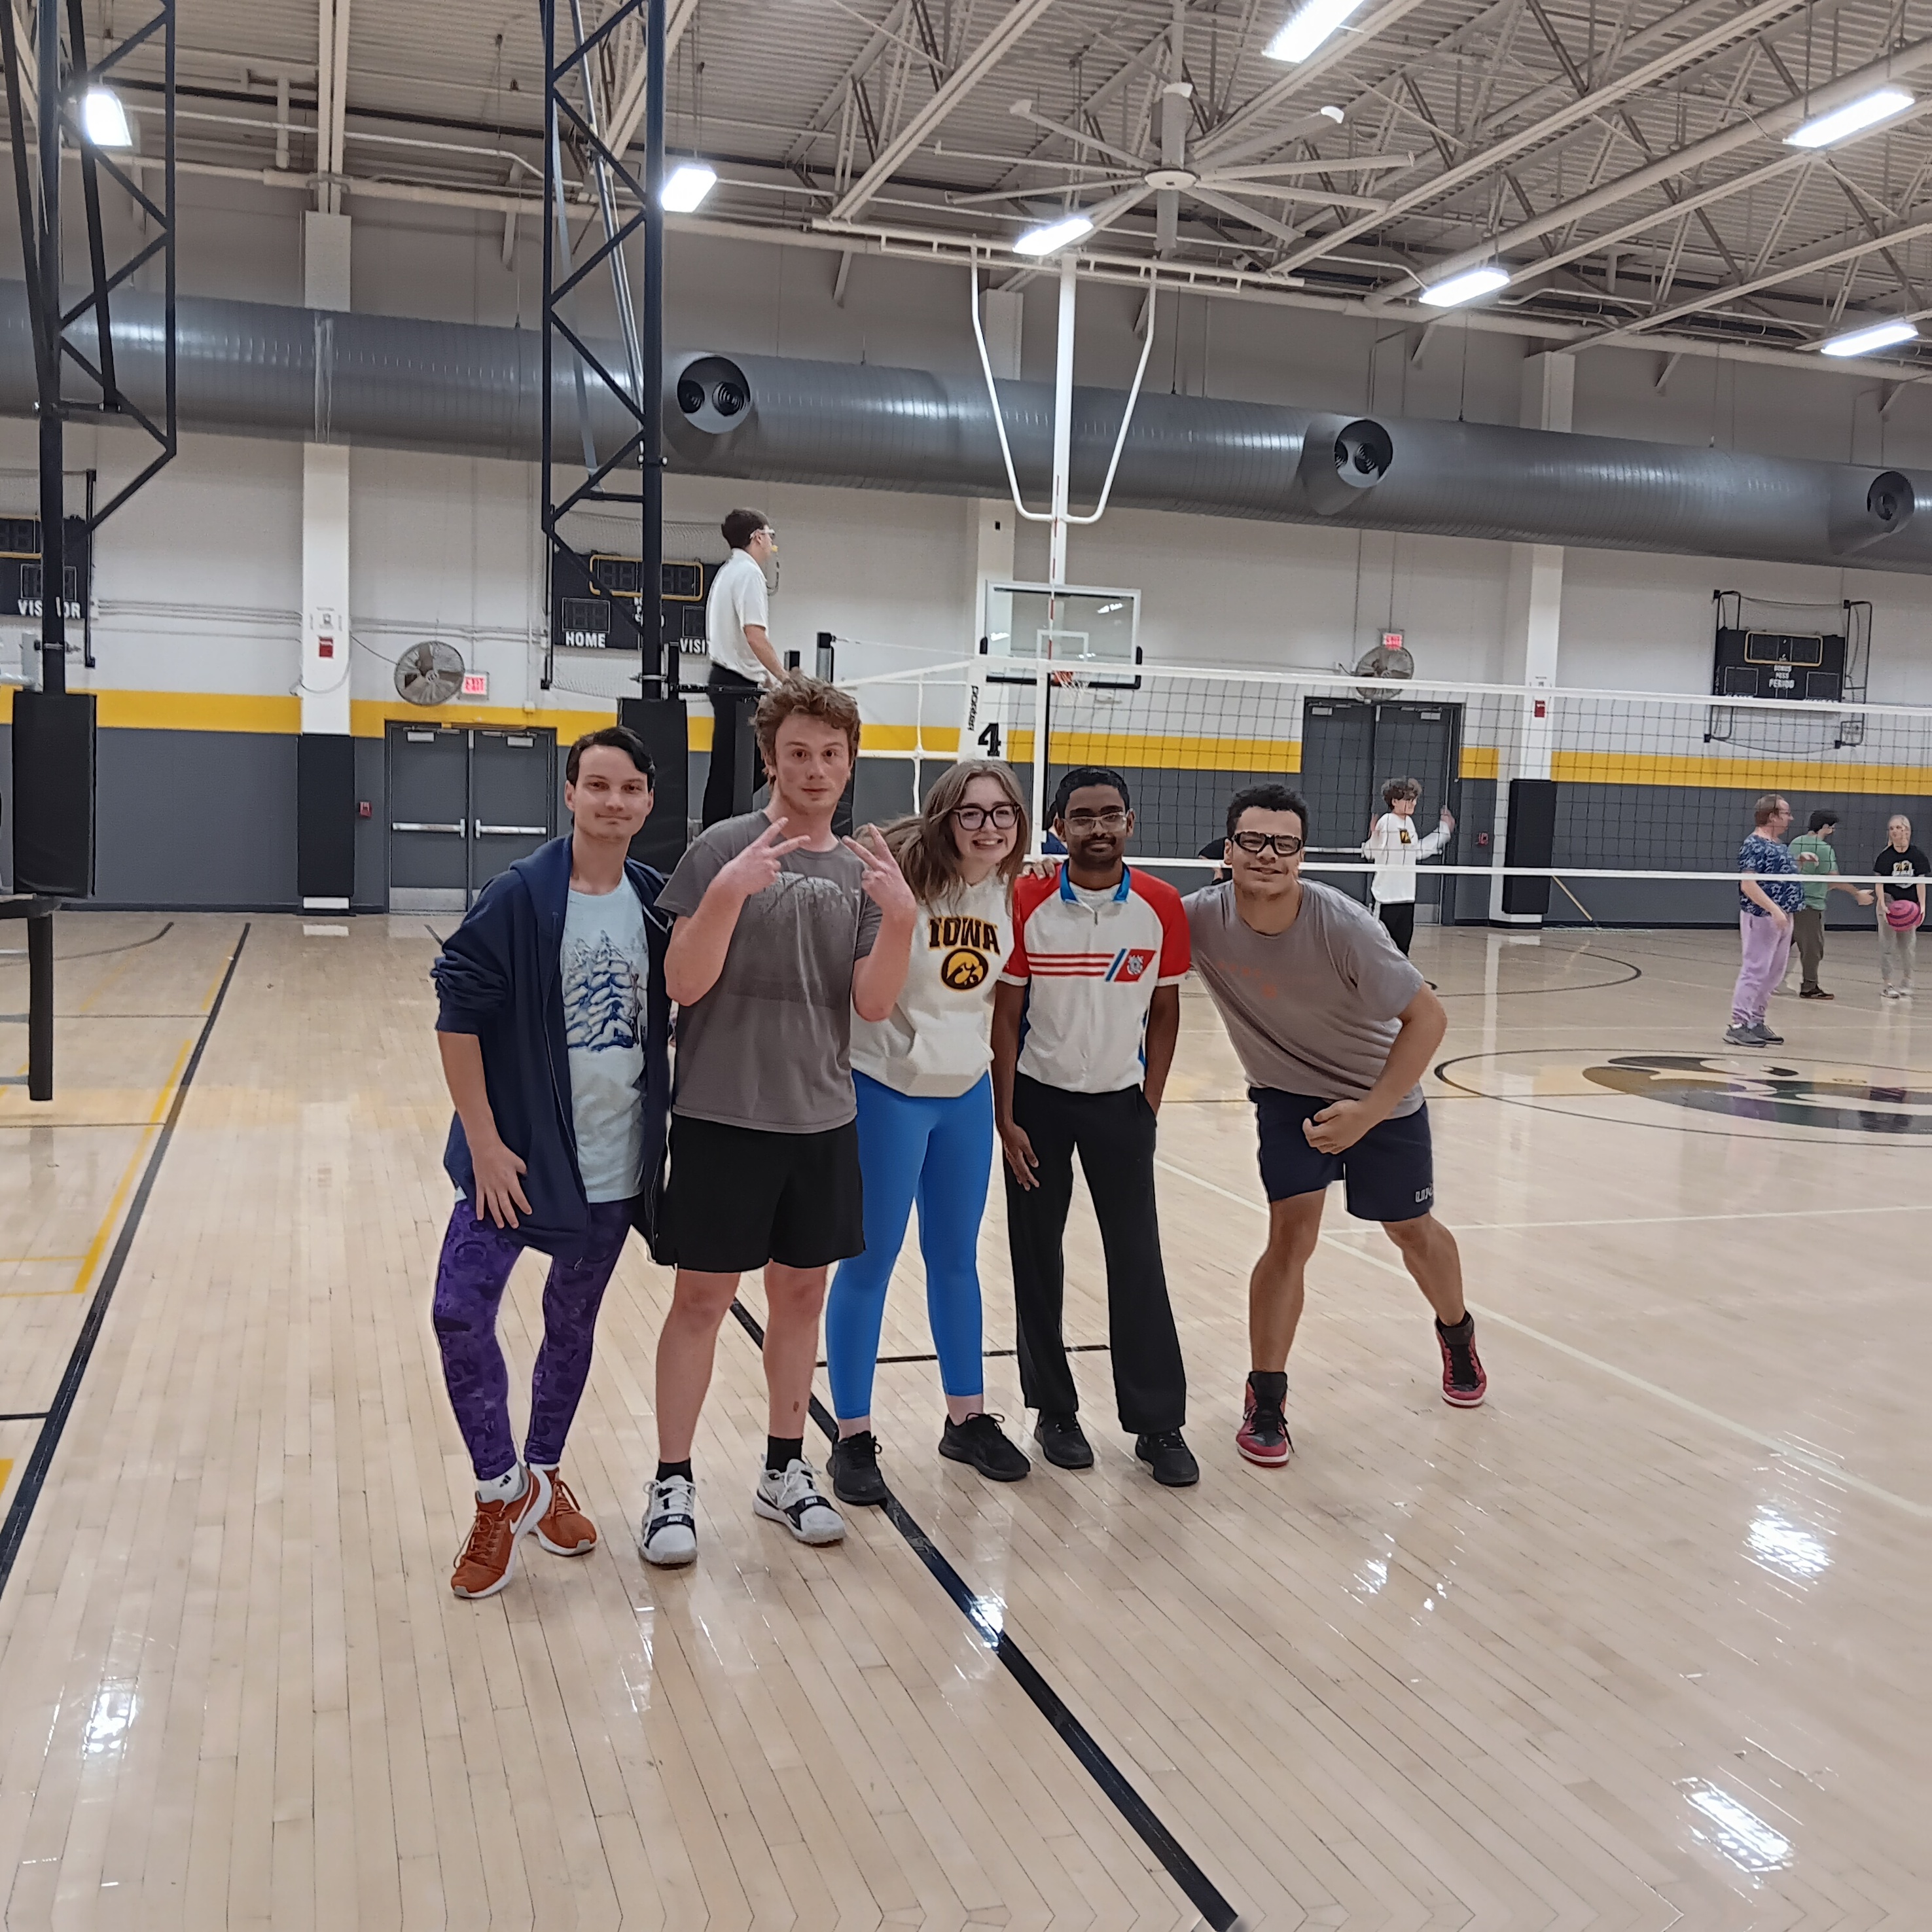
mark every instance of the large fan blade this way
{"type": "Point", "coordinates": [1241, 212]}
{"type": "Point", "coordinates": [1105, 214]}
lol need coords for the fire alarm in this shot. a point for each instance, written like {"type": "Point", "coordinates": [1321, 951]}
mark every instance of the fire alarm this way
{"type": "Point", "coordinates": [363, 809]}
{"type": "Point", "coordinates": [324, 647]}
{"type": "Point", "coordinates": [1542, 707]}
{"type": "Point", "coordinates": [1482, 838]}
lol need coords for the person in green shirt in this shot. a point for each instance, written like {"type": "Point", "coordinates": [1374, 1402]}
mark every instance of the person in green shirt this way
{"type": "Point", "coordinates": [1816, 861]}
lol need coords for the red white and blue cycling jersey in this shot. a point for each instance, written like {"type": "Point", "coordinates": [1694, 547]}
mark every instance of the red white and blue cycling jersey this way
{"type": "Point", "coordinates": [1090, 962]}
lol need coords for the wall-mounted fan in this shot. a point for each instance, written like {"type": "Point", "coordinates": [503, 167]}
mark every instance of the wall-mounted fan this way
{"type": "Point", "coordinates": [1384, 661]}
{"type": "Point", "coordinates": [430, 673]}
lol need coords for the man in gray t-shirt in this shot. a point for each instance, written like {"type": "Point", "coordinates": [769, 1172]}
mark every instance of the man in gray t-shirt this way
{"type": "Point", "coordinates": [783, 930]}
{"type": "Point", "coordinates": [1334, 1029]}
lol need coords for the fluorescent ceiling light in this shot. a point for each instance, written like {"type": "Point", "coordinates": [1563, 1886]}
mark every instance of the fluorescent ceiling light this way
{"type": "Point", "coordinates": [689, 184]}
{"type": "Point", "coordinates": [1308, 26]}
{"type": "Point", "coordinates": [1466, 286]}
{"type": "Point", "coordinates": [1863, 341]}
{"type": "Point", "coordinates": [104, 120]}
{"type": "Point", "coordinates": [1331, 113]}
{"type": "Point", "coordinates": [1055, 235]}
{"type": "Point", "coordinates": [1851, 119]}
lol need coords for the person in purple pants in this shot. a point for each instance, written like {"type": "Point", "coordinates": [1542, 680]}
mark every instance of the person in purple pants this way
{"type": "Point", "coordinates": [1765, 909]}
{"type": "Point", "coordinates": [554, 1025]}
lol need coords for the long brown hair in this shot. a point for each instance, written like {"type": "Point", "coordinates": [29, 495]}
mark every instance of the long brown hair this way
{"type": "Point", "coordinates": [928, 853]}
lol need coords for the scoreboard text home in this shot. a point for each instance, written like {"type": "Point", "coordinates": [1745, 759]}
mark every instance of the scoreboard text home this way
{"type": "Point", "coordinates": [20, 585]}
{"type": "Point", "coordinates": [594, 602]}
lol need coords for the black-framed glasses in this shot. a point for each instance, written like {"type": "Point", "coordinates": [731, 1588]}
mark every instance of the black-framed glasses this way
{"type": "Point", "coordinates": [1115, 820]}
{"type": "Point", "coordinates": [1001, 818]}
{"type": "Point", "coordinates": [1285, 844]}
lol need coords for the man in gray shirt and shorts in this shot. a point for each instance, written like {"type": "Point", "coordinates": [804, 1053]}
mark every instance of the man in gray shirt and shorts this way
{"type": "Point", "coordinates": [783, 932]}
{"type": "Point", "coordinates": [1334, 1030]}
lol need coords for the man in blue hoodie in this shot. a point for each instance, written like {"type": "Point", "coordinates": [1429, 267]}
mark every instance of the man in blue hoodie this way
{"type": "Point", "coordinates": [554, 1026]}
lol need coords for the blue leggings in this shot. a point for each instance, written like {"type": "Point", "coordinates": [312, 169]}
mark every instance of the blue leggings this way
{"type": "Point", "coordinates": [939, 1152]}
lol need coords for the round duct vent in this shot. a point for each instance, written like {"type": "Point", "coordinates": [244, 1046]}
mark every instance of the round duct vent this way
{"type": "Point", "coordinates": [1889, 501]}
{"type": "Point", "coordinates": [713, 395]}
{"type": "Point", "coordinates": [1341, 459]}
{"type": "Point", "coordinates": [1866, 511]}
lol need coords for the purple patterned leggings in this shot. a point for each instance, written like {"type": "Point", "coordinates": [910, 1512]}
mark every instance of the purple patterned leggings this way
{"type": "Point", "coordinates": [471, 1275]}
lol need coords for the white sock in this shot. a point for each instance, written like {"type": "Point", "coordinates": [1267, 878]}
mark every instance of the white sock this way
{"type": "Point", "coordinates": [506, 1488]}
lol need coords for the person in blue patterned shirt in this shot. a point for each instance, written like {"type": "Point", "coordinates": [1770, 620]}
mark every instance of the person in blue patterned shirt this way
{"type": "Point", "coordinates": [1766, 910]}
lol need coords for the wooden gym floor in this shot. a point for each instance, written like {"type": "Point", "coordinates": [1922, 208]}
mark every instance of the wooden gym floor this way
{"type": "Point", "coordinates": [1642, 1641]}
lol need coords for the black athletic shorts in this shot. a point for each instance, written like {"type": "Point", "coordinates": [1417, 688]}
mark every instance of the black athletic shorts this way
{"type": "Point", "coordinates": [740, 1197]}
{"type": "Point", "coordinates": [1390, 1172]}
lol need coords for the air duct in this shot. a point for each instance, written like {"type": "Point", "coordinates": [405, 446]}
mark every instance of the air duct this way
{"type": "Point", "coordinates": [250, 369]}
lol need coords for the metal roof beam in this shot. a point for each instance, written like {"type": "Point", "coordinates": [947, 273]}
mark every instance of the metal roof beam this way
{"type": "Point", "coordinates": [1004, 34]}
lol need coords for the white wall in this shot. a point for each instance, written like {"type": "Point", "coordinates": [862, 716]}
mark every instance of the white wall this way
{"type": "Point", "coordinates": [198, 580]}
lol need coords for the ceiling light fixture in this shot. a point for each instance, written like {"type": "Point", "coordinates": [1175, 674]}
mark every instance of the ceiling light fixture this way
{"type": "Point", "coordinates": [1331, 113]}
{"type": "Point", "coordinates": [1307, 27]}
{"type": "Point", "coordinates": [1852, 118]}
{"type": "Point", "coordinates": [1466, 286]}
{"type": "Point", "coordinates": [687, 184]}
{"type": "Point", "coordinates": [103, 120]}
{"type": "Point", "coordinates": [1055, 235]}
{"type": "Point", "coordinates": [1863, 341]}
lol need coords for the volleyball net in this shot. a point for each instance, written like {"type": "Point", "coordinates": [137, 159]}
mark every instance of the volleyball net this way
{"type": "Point", "coordinates": [1650, 794]}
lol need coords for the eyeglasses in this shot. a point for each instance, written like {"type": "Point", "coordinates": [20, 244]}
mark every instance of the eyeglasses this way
{"type": "Point", "coordinates": [1285, 844]}
{"type": "Point", "coordinates": [1096, 821]}
{"type": "Point", "coordinates": [1001, 818]}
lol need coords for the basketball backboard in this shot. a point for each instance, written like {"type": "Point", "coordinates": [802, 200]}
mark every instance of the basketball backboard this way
{"type": "Point", "coordinates": [1081, 627]}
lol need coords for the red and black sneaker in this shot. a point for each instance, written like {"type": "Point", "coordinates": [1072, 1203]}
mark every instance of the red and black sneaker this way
{"type": "Point", "coordinates": [1464, 1384]}
{"type": "Point", "coordinates": [1263, 1436]}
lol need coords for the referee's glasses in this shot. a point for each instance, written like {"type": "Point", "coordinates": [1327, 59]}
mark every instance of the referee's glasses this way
{"type": "Point", "coordinates": [1001, 817]}
{"type": "Point", "coordinates": [1285, 844]}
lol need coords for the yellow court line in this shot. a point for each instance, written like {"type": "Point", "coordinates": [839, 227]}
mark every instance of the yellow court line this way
{"type": "Point", "coordinates": [89, 1261]}
{"type": "Point", "coordinates": [6, 1470]}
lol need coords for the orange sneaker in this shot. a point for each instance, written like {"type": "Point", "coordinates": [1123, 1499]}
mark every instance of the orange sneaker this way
{"type": "Point", "coordinates": [489, 1559]}
{"type": "Point", "coordinates": [564, 1530]}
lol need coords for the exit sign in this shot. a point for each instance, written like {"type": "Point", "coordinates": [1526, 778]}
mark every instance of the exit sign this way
{"type": "Point", "coordinates": [476, 684]}
{"type": "Point", "coordinates": [1391, 640]}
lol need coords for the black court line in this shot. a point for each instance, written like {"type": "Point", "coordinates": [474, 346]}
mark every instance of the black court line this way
{"type": "Point", "coordinates": [1201, 1890]}
{"type": "Point", "coordinates": [28, 1415]}
{"type": "Point", "coordinates": [1072, 1349]}
{"type": "Point", "coordinates": [99, 952]}
{"type": "Point", "coordinates": [33, 1478]}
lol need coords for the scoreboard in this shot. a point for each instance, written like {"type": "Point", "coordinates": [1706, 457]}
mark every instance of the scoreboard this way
{"type": "Point", "coordinates": [596, 602]}
{"type": "Point", "coordinates": [21, 587]}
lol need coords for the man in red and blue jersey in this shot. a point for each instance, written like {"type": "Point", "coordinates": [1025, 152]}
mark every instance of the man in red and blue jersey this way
{"type": "Point", "coordinates": [1084, 1021]}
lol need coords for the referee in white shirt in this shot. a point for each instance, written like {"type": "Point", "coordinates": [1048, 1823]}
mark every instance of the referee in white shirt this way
{"type": "Point", "coordinates": [743, 660]}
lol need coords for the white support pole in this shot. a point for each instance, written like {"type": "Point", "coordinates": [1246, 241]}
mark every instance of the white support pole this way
{"type": "Point", "coordinates": [1040, 675]}
{"type": "Point", "coordinates": [1062, 424]}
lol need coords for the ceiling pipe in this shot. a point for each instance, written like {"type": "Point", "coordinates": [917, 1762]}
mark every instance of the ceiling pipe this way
{"type": "Point", "coordinates": [253, 370]}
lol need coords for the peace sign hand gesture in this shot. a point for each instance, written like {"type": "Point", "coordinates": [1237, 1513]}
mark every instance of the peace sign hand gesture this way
{"type": "Point", "coordinates": [881, 881]}
{"type": "Point", "coordinates": [760, 864]}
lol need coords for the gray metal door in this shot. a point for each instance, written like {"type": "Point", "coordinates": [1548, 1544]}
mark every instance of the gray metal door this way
{"type": "Point", "coordinates": [510, 787]}
{"type": "Point", "coordinates": [429, 818]}
{"type": "Point", "coordinates": [464, 804]}
{"type": "Point", "coordinates": [1338, 740]}
{"type": "Point", "coordinates": [1350, 749]}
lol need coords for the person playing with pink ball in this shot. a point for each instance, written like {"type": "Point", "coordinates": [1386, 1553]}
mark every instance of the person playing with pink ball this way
{"type": "Point", "coordinates": [1902, 908]}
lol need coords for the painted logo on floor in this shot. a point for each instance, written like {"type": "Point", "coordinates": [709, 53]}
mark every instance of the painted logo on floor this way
{"type": "Point", "coordinates": [1750, 1095]}
{"type": "Point", "coordinates": [1792, 1098]}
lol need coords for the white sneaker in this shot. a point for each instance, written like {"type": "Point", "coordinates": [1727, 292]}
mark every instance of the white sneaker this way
{"type": "Point", "coordinates": [791, 1496]}
{"type": "Point", "coordinates": [669, 1537]}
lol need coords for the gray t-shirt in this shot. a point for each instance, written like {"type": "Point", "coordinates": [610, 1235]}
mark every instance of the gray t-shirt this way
{"type": "Point", "coordinates": [607, 965]}
{"type": "Point", "coordinates": [769, 1046]}
{"type": "Point", "coordinates": [1311, 1011]}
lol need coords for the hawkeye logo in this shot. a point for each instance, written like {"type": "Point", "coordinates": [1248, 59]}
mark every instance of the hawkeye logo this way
{"type": "Point", "coordinates": [970, 945]}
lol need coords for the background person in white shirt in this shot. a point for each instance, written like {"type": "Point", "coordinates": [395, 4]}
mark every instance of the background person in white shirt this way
{"type": "Point", "coordinates": [736, 622]}
{"type": "Point", "coordinates": [1395, 846]}
{"type": "Point", "coordinates": [925, 1122]}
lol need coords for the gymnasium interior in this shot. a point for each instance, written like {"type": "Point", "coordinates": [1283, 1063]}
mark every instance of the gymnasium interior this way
{"type": "Point", "coordinates": [1522, 396]}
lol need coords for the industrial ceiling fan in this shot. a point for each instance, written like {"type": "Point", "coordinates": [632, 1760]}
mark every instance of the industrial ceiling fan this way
{"type": "Point", "coordinates": [1220, 181]}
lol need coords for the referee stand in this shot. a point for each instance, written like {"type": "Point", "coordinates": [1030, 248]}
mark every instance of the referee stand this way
{"type": "Point", "coordinates": [37, 912]}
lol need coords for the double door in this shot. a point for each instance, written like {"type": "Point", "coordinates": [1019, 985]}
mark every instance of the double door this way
{"type": "Point", "coordinates": [1351, 748]}
{"type": "Point", "coordinates": [464, 803]}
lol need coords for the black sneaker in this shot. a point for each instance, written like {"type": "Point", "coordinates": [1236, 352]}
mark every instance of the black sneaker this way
{"type": "Point", "coordinates": [853, 1466]}
{"type": "Point", "coordinates": [1169, 1456]}
{"type": "Point", "coordinates": [1062, 1442]}
{"type": "Point", "coordinates": [980, 1441]}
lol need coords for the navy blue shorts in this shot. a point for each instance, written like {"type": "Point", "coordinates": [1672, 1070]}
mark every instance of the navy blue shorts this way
{"type": "Point", "coordinates": [1390, 1172]}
